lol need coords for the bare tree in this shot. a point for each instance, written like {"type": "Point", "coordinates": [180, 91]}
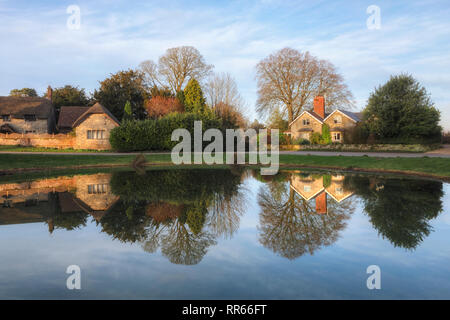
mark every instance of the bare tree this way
{"type": "Point", "coordinates": [222, 87]}
{"type": "Point", "coordinates": [289, 80]}
{"type": "Point", "coordinates": [175, 67]}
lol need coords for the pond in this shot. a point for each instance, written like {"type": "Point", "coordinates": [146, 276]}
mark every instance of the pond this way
{"type": "Point", "coordinates": [224, 234]}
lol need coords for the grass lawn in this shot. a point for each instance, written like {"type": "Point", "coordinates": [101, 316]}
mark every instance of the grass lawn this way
{"type": "Point", "coordinates": [438, 167]}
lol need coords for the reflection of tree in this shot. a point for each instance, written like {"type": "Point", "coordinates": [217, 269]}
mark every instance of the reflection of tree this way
{"type": "Point", "coordinates": [64, 220]}
{"type": "Point", "coordinates": [124, 226]}
{"type": "Point", "coordinates": [225, 213]}
{"type": "Point", "coordinates": [183, 247]}
{"type": "Point", "coordinates": [400, 209]}
{"type": "Point", "coordinates": [180, 211]}
{"type": "Point", "coordinates": [290, 226]}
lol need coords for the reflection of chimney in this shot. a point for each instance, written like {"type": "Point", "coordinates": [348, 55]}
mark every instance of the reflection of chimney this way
{"type": "Point", "coordinates": [51, 227]}
{"type": "Point", "coordinates": [319, 106]}
{"type": "Point", "coordinates": [49, 93]}
{"type": "Point", "coordinates": [321, 203]}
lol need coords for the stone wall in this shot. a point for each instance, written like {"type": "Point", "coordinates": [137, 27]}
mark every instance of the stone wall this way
{"type": "Point", "coordinates": [94, 122]}
{"type": "Point", "coordinates": [58, 141]}
{"type": "Point", "coordinates": [298, 125]}
{"type": "Point", "coordinates": [22, 126]}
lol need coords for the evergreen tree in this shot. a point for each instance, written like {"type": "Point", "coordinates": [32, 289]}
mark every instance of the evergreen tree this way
{"type": "Point", "coordinates": [127, 112]}
{"type": "Point", "coordinates": [193, 98]}
{"type": "Point", "coordinates": [402, 111]}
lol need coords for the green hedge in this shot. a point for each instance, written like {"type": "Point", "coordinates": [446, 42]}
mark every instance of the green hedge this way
{"type": "Point", "coordinates": [155, 135]}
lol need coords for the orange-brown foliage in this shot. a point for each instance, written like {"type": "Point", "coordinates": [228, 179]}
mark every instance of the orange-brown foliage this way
{"type": "Point", "coordinates": [160, 106]}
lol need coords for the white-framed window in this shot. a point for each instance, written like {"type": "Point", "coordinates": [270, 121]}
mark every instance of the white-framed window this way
{"type": "Point", "coordinates": [338, 119]}
{"type": "Point", "coordinates": [96, 134]}
{"type": "Point", "coordinates": [307, 188]}
{"type": "Point", "coordinates": [97, 188]}
{"type": "Point", "coordinates": [6, 117]}
{"type": "Point", "coordinates": [306, 122]}
{"type": "Point", "coordinates": [336, 136]}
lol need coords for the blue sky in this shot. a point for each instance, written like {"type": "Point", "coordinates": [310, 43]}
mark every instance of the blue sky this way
{"type": "Point", "coordinates": [39, 50]}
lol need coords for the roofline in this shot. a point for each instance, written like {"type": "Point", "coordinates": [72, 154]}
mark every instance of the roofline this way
{"type": "Point", "coordinates": [302, 114]}
{"type": "Point", "coordinates": [341, 113]}
{"type": "Point", "coordinates": [335, 199]}
{"type": "Point", "coordinates": [88, 115]}
{"type": "Point", "coordinates": [310, 197]}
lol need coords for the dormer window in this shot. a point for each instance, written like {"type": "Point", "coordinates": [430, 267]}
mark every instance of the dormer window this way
{"type": "Point", "coordinates": [338, 119]}
{"type": "Point", "coordinates": [306, 122]}
{"type": "Point", "coordinates": [6, 118]}
{"type": "Point", "coordinates": [29, 117]}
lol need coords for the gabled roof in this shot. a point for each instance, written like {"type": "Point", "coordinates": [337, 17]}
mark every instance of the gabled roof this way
{"type": "Point", "coordinates": [17, 107]}
{"type": "Point", "coordinates": [311, 113]}
{"type": "Point", "coordinates": [68, 115]}
{"type": "Point", "coordinates": [356, 117]}
{"type": "Point", "coordinates": [95, 109]}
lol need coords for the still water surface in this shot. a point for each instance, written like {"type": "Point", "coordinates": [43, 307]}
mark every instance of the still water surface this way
{"type": "Point", "coordinates": [224, 234]}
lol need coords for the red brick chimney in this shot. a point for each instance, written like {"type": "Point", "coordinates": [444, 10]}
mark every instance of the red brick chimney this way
{"type": "Point", "coordinates": [321, 203]}
{"type": "Point", "coordinates": [49, 93]}
{"type": "Point", "coordinates": [319, 106]}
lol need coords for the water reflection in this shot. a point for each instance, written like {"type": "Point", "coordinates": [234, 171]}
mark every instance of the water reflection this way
{"type": "Point", "coordinates": [298, 217]}
{"type": "Point", "coordinates": [185, 212]}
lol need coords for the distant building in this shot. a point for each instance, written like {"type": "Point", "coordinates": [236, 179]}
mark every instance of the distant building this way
{"type": "Point", "coordinates": [90, 125]}
{"type": "Point", "coordinates": [312, 120]}
{"type": "Point", "coordinates": [27, 114]}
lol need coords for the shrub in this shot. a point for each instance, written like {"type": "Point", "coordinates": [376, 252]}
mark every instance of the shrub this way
{"type": "Point", "coordinates": [304, 142]}
{"type": "Point", "coordinates": [284, 139]}
{"type": "Point", "coordinates": [315, 138]}
{"type": "Point", "coordinates": [326, 135]}
{"type": "Point", "coordinates": [155, 135]}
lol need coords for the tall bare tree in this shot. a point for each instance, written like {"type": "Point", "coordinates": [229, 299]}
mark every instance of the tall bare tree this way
{"type": "Point", "coordinates": [175, 67]}
{"type": "Point", "coordinates": [222, 87]}
{"type": "Point", "coordinates": [289, 80]}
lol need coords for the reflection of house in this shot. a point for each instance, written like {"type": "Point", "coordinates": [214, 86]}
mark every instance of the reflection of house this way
{"type": "Point", "coordinates": [39, 201]}
{"type": "Point", "coordinates": [312, 121]}
{"type": "Point", "coordinates": [314, 187]}
{"type": "Point", "coordinates": [94, 195]}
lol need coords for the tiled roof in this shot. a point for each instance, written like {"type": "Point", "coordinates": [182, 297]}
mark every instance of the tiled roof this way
{"type": "Point", "coordinates": [353, 115]}
{"type": "Point", "coordinates": [95, 109]}
{"type": "Point", "coordinates": [68, 115]}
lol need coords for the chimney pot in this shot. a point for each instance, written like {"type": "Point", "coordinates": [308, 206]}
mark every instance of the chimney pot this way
{"type": "Point", "coordinates": [49, 93]}
{"type": "Point", "coordinates": [321, 203]}
{"type": "Point", "coordinates": [319, 106]}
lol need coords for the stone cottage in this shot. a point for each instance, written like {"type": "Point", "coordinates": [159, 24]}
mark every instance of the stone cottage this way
{"type": "Point", "coordinates": [31, 122]}
{"type": "Point", "coordinates": [27, 114]}
{"type": "Point", "coordinates": [339, 121]}
{"type": "Point", "coordinates": [90, 126]}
